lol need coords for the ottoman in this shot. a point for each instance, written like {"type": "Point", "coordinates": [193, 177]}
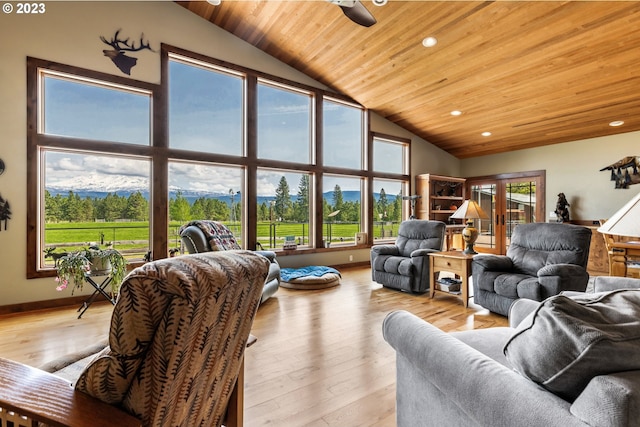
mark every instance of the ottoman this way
{"type": "Point", "coordinates": [312, 277]}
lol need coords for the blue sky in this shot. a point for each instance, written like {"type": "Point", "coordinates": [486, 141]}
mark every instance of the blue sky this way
{"type": "Point", "coordinates": [206, 115]}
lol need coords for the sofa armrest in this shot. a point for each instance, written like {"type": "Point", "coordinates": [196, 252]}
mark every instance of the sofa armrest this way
{"type": "Point", "coordinates": [610, 283]}
{"type": "Point", "coordinates": [557, 278]}
{"type": "Point", "coordinates": [520, 309]}
{"type": "Point", "coordinates": [619, 393]}
{"type": "Point", "coordinates": [270, 255]}
{"type": "Point", "coordinates": [49, 399]}
{"type": "Point", "coordinates": [482, 389]}
{"type": "Point", "coordinates": [567, 271]}
{"type": "Point", "coordinates": [385, 250]}
{"type": "Point", "coordinates": [423, 252]}
{"type": "Point", "coordinates": [488, 262]}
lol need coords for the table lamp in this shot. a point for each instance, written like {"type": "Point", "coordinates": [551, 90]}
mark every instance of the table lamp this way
{"type": "Point", "coordinates": [469, 211]}
{"type": "Point", "coordinates": [625, 222]}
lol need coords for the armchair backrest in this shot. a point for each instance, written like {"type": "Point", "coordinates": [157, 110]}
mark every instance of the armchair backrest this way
{"type": "Point", "coordinates": [205, 235]}
{"type": "Point", "coordinates": [177, 337]}
{"type": "Point", "coordinates": [538, 244]}
{"type": "Point", "coordinates": [420, 234]}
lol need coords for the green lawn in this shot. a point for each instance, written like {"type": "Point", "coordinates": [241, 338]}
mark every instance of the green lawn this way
{"type": "Point", "coordinates": [133, 237]}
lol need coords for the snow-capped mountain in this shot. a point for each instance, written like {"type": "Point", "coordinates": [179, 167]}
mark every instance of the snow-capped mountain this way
{"type": "Point", "coordinates": [95, 183]}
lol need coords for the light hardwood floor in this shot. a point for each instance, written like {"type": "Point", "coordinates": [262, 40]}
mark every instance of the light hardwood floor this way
{"type": "Point", "coordinates": [320, 359]}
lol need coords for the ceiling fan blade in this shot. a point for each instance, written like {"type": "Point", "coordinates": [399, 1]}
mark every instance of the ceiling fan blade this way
{"type": "Point", "coordinates": [358, 14]}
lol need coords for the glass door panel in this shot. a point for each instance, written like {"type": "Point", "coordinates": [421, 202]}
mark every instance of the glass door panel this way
{"type": "Point", "coordinates": [485, 196]}
{"type": "Point", "coordinates": [520, 197]}
{"type": "Point", "coordinates": [509, 201]}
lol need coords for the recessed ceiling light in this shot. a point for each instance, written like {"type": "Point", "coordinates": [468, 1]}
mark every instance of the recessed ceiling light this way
{"type": "Point", "coordinates": [214, 2]}
{"type": "Point", "coordinates": [486, 133]}
{"type": "Point", "coordinates": [456, 113]}
{"type": "Point", "coordinates": [616, 123]}
{"type": "Point", "coordinates": [429, 42]}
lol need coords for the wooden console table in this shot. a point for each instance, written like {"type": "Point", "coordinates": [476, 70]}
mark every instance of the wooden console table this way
{"type": "Point", "coordinates": [620, 254]}
{"type": "Point", "coordinates": [454, 262]}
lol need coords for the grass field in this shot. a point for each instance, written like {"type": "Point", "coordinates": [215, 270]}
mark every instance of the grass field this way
{"type": "Point", "coordinates": [132, 238]}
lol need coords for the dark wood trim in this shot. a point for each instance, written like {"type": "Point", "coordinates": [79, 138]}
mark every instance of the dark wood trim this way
{"type": "Point", "coordinates": [159, 221]}
{"type": "Point", "coordinates": [74, 301]}
{"type": "Point", "coordinates": [251, 172]}
{"type": "Point", "coordinates": [370, 200]}
{"type": "Point", "coordinates": [317, 206]}
{"type": "Point", "coordinates": [32, 169]}
{"type": "Point", "coordinates": [509, 175]}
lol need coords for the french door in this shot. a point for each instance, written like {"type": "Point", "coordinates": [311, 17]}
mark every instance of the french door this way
{"type": "Point", "coordinates": [508, 200]}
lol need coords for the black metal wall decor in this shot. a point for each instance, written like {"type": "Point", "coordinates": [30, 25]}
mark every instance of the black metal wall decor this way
{"type": "Point", "coordinates": [1, 167]}
{"type": "Point", "coordinates": [5, 213]}
{"type": "Point", "coordinates": [624, 172]}
{"type": "Point", "coordinates": [120, 46]}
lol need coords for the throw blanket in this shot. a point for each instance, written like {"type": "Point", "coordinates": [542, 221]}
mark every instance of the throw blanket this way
{"type": "Point", "coordinates": [288, 274]}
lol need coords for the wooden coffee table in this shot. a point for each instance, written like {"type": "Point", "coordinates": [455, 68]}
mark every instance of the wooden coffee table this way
{"type": "Point", "coordinates": [454, 262]}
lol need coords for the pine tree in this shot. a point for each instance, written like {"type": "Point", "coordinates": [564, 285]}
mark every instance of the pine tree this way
{"type": "Point", "coordinates": [338, 202]}
{"type": "Point", "coordinates": [283, 200]}
{"type": "Point", "coordinates": [302, 202]}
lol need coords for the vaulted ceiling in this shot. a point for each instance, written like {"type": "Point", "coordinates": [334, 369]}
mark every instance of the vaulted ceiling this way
{"type": "Point", "coordinates": [532, 73]}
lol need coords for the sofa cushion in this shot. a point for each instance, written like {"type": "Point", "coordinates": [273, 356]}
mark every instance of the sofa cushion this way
{"type": "Point", "coordinates": [567, 341]}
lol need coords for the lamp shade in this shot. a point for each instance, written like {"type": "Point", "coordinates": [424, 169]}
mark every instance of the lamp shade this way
{"type": "Point", "coordinates": [625, 222]}
{"type": "Point", "coordinates": [470, 209]}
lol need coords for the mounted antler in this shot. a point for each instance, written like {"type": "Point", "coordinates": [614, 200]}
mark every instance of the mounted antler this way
{"type": "Point", "coordinates": [123, 62]}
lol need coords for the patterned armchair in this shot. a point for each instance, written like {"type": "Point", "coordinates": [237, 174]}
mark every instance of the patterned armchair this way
{"type": "Point", "coordinates": [176, 347]}
{"type": "Point", "coordinates": [204, 236]}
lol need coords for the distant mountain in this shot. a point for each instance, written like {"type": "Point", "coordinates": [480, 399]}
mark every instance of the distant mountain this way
{"type": "Point", "coordinates": [90, 186]}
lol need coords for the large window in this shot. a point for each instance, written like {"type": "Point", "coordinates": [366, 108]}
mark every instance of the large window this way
{"type": "Point", "coordinates": [284, 123]}
{"type": "Point", "coordinates": [390, 156]}
{"type": "Point", "coordinates": [94, 199]}
{"type": "Point", "coordinates": [283, 208]}
{"type": "Point", "coordinates": [115, 160]}
{"type": "Point", "coordinates": [89, 109]}
{"type": "Point", "coordinates": [343, 133]}
{"type": "Point", "coordinates": [84, 189]}
{"type": "Point", "coordinates": [342, 208]}
{"type": "Point", "coordinates": [206, 108]}
{"type": "Point", "coordinates": [205, 191]}
{"type": "Point", "coordinates": [389, 209]}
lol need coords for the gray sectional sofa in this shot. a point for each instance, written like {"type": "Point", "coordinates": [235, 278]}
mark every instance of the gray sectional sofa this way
{"type": "Point", "coordinates": [495, 377]}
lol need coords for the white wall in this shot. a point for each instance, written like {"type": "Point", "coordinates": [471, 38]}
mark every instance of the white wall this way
{"type": "Point", "coordinates": [68, 32]}
{"type": "Point", "coordinates": [573, 168]}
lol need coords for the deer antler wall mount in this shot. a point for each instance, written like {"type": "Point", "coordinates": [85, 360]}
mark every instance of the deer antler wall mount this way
{"type": "Point", "coordinates": [120, 46]}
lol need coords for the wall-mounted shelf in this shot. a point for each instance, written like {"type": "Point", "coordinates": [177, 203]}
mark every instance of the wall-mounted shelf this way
{"type": "Point", "coordinates": [439, 194]}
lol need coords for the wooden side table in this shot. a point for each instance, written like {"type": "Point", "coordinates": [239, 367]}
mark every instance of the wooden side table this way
{"type": "Point", "coordinates": [454, 262]}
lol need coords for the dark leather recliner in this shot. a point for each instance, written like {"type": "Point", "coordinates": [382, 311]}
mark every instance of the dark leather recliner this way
{"type": "Point", "coordinates": [405, 265]}
{"type": "Point", "coordinates": [543, 259]}
{"type": "Point", "coordinates": [205, 236]}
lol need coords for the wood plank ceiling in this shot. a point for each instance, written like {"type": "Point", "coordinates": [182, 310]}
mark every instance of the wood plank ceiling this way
{"type": "Point", "coordinates": [532, 73]}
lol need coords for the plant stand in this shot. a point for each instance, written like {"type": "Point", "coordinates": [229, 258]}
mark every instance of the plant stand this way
{"type": "Point", "coordinates": [99, 290]}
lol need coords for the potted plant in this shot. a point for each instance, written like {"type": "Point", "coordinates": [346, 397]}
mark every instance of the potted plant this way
{"type": "Point", "coordinates": [74, 266]}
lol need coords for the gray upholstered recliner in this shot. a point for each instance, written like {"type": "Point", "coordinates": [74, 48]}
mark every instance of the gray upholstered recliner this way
{"type": "Point", "coordinates": [405, 265]}
{"type": "Point", "coordinates": [205, 236]}
{"type": "Point", "coordinates": [543, 259]}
